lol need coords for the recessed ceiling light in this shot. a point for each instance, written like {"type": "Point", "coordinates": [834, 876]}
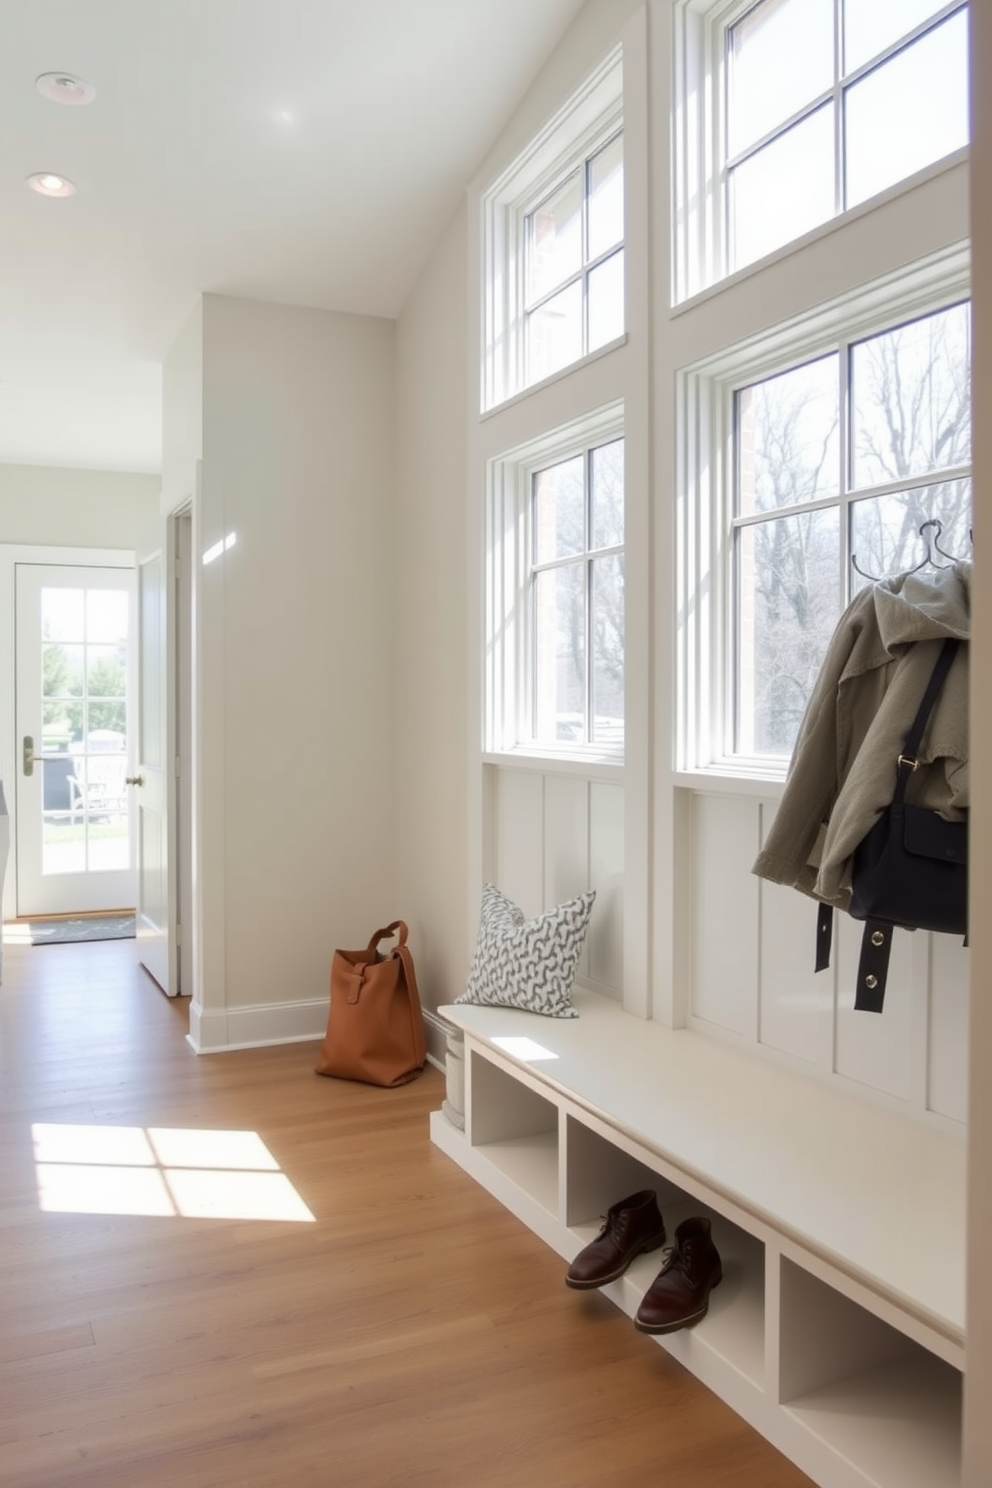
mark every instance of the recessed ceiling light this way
{"type": "Point", "coordinates": [46, 183]}
{"type": "Point", "coordinates": [62, 87]}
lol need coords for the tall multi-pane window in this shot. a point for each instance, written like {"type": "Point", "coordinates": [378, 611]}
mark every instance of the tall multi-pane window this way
{"type": "Point", "coordinates": [576, 523]}
{"type": "Point", "coordinates": [828, 102]}
{"type": "Point", "coordinates": [573, 255]}
{"type": "Point", "coordinates": [839, 462]}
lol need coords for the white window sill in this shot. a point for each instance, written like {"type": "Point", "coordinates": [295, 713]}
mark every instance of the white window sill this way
{"type": "Point", "coordinates": [536, 387]}
{"type": "Point", "coordinates": [731, 779]}
{"type": "Point", "coordinates": [834, 224]}
{"type": "Point", "coordinates": [550, 761]}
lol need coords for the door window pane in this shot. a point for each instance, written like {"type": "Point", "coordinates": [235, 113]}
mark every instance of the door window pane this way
{"type": "Point", "coordinates": [781, 57]}
{"type": "Point", "coordinates": [62, 671]}
{"type": "Point", "coordinates": [788, 447]}
{"type": "Point", "coordinates": [559, 510]}
{"type": "Point", "coordinates": [788, 606]}
{"type": "Point", "coordinates": [606, 319]}
{"type": "Point", "coordinates": [910, 399]}
{"type": "Point", "coordinates": [885, 530]}
{"type": "Point", "coordinates": [872, 25]}
{"type": "Point", "coordinates": [560, 654]}
{"type": "Point", "coordinates": [607, 649]}
{"type": "Point", "coordinates": [106, 615]}
{"type": "Point", "coordinates": [62, 613]}
{"type": "Point", "coordinates": [783, 190]}
{"type": "Point", "coordinates": [84, 682]}
{"type": "Point", "coordinates": [554, 239]}
{"type": "Point", "coordinates": [909, 112]}
{"type": "Point", "coordinates": [605, 187]}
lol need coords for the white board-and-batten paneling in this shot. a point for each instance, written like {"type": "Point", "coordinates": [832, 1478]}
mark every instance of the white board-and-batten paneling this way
{"type": "Point", "coordinates": [751, 958]}
{"type": "Point", "coordinates": [554, 836]}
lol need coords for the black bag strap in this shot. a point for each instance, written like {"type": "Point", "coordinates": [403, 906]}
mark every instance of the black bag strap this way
{"type": "Point", "coordinates": [907, 760]}
{"type": "Point", "coordinates": [876, 940]}
{"type": "Point", "coordinates": [873, 967]}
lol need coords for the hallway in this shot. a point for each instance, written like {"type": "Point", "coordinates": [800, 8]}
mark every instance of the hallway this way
{"type": "Point", "coordinates": [302, 1292]}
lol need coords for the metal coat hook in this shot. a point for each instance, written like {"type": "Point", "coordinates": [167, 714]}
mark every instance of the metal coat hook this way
{"type": "Point", "coordinates": [929, 534]}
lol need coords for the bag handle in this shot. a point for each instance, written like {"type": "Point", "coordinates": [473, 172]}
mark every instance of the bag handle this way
{"type": "Point", "coordinates": [399, 925]}
{"type": "Point", "coordinates": [907, 758]}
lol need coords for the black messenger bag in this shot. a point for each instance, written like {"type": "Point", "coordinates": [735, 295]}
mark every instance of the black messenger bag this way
{"type": "Point", "coordinates": [911, 870]}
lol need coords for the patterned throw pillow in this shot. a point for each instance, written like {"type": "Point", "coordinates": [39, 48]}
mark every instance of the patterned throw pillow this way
{"type": "Point", "coordinates": [528, 964]}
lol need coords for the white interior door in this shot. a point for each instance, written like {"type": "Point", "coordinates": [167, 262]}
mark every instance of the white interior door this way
{"type": "Point", "coordinates": [157, 909]}
{"type": "Point", "coordinates": [74, 669]}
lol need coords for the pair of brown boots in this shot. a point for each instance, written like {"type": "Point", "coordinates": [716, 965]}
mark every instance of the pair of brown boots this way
{"type": "Point", "coordinates": [679, 1294]}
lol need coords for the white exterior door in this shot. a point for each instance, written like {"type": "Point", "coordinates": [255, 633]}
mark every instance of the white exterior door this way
{"type": "Point", "coordinates": [74, 657]}
{"type": "Point", "coordinates": [157, 909]}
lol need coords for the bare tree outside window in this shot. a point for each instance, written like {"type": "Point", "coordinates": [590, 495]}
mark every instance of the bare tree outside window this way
{"type": "Point", "coordinates": [801, 508]}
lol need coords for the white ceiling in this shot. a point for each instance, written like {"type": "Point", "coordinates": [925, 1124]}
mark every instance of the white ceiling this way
{"type": "Point", "coordinates": [303, 151]}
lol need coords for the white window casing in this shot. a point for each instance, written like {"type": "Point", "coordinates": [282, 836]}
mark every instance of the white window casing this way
{"type": "Point", "coordinates": [703, 167]}
{"type": "Point", "coordinates": [509, 663]}
{"type": "Point", "coordinates": [587, 123]}
{"type": "Point", "coordinates": [705, 521]}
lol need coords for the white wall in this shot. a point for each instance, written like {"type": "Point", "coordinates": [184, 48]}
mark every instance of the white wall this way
{"type": "Point", "coordinates": [74, 508]}
{"type": "Point", "coordinates": [182, 412]}
{"type": "Point", "coordinates": [437, 721]}
{"type": "Point", "coordinates": [296, 623]}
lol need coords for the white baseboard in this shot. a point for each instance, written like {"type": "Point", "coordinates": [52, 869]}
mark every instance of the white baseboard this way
{"type": "Point", "coordinates": [252, 1027]}
{"type": "Point", "coordinates": [284, 1023]}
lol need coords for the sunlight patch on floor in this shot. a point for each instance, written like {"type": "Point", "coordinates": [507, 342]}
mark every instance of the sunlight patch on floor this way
{"type": "Point", "coordinates": [186, 1172]}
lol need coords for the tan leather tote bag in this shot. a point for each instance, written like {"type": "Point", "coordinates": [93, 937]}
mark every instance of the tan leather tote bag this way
{"type": "Point", "coordinates": [375, 1027]}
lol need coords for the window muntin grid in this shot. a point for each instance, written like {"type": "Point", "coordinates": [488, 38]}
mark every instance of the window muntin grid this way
{"type": "Point", "coordinates": [842, 455]}
{"type": "Point", "coordinates": [576, 599]}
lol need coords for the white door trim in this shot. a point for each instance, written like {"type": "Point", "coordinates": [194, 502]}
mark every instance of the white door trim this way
{"type": "Point", "coordinates": [10, 555]}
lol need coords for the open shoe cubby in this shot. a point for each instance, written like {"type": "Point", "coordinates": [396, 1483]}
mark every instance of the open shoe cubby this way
{"type": "Point", "coordinates": [863, 1390]}
{"type": "Point", "coordinates": [597, 1174]}
{"type": "Point", "coordinates": [515, 1128]}
{"type": "Point", "coordinates": [836, 1332]}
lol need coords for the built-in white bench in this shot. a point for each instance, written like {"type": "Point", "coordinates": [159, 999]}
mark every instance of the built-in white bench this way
{"type": "Point", "coordinates": [838, 1329]}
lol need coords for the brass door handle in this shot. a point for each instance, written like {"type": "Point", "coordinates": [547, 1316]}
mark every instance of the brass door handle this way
{"type": "Point", "coordinates": [134, 779]}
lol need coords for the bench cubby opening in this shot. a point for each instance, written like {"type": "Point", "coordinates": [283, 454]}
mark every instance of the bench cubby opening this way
{"type": "Point", "coordinates": [515, 1129]}
{"type": "Point", "coordinates": [864, 1389]}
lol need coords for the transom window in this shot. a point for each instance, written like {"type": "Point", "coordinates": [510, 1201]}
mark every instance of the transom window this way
{"type": "Point", "coordinates": [828, 102]}
{"type": "Point", "coordinates": [573, 246]}
{"type": "Point", "coordinates": [815, 107]}
{"type": "Point", "coordinates": [839, 461]}
{"type": "Point", "coordinates": [554, 243]}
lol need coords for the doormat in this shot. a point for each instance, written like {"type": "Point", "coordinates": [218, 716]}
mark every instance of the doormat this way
{"type": "Point", "coordinates": [83, 927]}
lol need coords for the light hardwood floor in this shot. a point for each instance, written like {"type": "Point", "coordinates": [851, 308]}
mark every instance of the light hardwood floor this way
{"type": "Point", "coordinates": [411, 1333]}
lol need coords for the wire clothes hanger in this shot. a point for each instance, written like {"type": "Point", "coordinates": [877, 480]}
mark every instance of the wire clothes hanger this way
{"type": "Point", "coordinates": [929, 533]}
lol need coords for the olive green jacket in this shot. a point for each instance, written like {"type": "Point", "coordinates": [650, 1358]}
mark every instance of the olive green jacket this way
{"type": "Point", "coordinates": [843, 767]}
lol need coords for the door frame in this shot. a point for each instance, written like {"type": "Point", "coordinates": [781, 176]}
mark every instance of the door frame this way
{"type": "Point", "coordinates": [179, 711]}
{"type": "Point", "coordinates": [10, 555]}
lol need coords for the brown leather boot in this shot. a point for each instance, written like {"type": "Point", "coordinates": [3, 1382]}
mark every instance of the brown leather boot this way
{"type": "Point", "coordinates": [632, 1227]}
{"type": "Point", "coordinates": [679, 1294]}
